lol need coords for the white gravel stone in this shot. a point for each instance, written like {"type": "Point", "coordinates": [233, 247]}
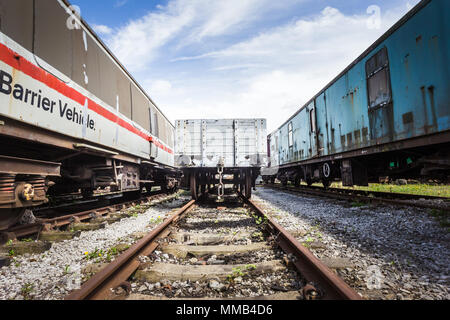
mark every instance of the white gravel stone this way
{"type": "Point", "coordinates": [396, 241]}
{"type": "Point", "coordinates": [47, 272]}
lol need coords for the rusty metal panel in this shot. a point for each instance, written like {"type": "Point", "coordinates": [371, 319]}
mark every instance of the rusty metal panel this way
{"type": "Point", "coordinates": [379, 88]}
{"type": "Point", "coordinates": [13, 165]}
{"type": "Point", "coordinates": [324, 105]}
{"type": "Point", "coordinates": [16, 21]}
{"type": "Point", "coordinates": [141, 107]}
{"type": "Point", "coordinates": [52, 38]}
{"type": "Point", "coordinates": [304, 138]}
{"type": "Point", "coordinates": [408, 94]}
{"type": "Point", "coordinates": [419, 55]}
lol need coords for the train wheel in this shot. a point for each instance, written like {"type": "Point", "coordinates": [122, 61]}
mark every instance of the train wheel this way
{"type": "Point", "coordinates": [203, 189]}
{"type": "Point", "coordinates": [194, 188]}
{"type": "Point", "coordinates": [309, 182]}
{"type": "Point", "coordinates": [326, 170]}
{"type": "Point", "coordinates": [297, 181]}
{"type": "Point", "coordinates": [326, 183]}
{"type": "Point", "coordinates": [9, 217]}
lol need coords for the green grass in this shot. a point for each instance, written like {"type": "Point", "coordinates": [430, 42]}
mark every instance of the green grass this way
{"type": "Point", "coordinates": [442, 217]}
{"type": "Point", "coordinates": [419, 189]}
{"type": "Point", "coordinates": [357, 204]}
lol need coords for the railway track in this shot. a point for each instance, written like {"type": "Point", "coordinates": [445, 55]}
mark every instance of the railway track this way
{"type": "Point", "coordinates": [207, 250]}
{"type": "Point", "coordinates": [411, 200]}
{"type": "Point", "coordinates": [99, 214]}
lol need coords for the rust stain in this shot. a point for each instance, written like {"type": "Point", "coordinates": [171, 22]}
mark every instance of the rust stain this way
{"type": "Point", "coordinates": [406, 63]}
{"type": "Point", "coordinates": [14, 74]}
{"type": "Point", "coordinates": [425, 113]}
{"type": "Point", "coordinates": [433, 107]}
{"type": "Point", "coordinates": [418, 39]}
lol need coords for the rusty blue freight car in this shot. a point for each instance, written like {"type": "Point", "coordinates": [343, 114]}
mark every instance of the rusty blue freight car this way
{"type": "Point", "coordinates": [387, 114]}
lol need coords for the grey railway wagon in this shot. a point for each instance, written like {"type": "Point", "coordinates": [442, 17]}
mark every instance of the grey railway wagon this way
{"type": "Point", "coordinates": [208, 149]}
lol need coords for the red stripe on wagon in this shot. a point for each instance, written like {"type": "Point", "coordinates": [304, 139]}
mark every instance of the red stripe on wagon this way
{"type": "Point", "coordinates": [18, 62]}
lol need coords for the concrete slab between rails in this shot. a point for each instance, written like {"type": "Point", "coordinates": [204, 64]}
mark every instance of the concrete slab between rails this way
{"type": "Point", "coordinates": [291, 295]}
{"type": "Point", "coordinates": [181, 251]}
{"type": "Point", "coordinates": [58, 236]}
{"type": "Point", "coordinates": [20, 248]}
{"type": "Point", "coordinates": [87, 226]}
{"type": "Point", "coordinates": [209, 238]}
{"type": "Point", "coordinates": [121, 215]}
{"type": "Point", "coordinates": [173, 272]}
{"type": "Point", "coordinates": [223, 210]}
{"type": "Point", "coordinates": [4, 260]}
{"type": "Point", "coordinates": [338, 263]}
{"type": "Point", "coordinates": [93, 268]}
{"type": "Point", "coordinates": [108, 220]}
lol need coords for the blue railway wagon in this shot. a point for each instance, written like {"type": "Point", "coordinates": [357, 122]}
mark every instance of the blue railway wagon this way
{"type": "Point", "coordinates": [394, 99]}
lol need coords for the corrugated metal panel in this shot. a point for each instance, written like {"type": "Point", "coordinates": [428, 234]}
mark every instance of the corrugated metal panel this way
{"type": "Point", "coordinates": [203, 143]}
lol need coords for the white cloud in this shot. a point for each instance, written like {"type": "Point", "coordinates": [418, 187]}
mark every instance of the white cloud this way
{"type": "Point", "coordinates": [160, 87]}
{"type": "Point", "coordinates": [138, 42]}
{"type": "Point", "coordinates": [102, 29]}
{"type": "Point", "coordinates": [270, 74]}
{"type": "Point", "coordinates": [120, 3]}
{"type": "Point", "coordinates": [330, 34]}
{"type": "Point", "coordinates": [296, 60]}
{"type": "Point", "coordinates": [141, 41]}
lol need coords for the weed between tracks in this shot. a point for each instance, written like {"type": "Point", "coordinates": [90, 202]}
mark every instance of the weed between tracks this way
{"type": "Point", "coordinates": [421, 189]}
{"type": "Point", "coordinates": [441, 217]}
{"type": "Point", "coordinates": [100, 255]}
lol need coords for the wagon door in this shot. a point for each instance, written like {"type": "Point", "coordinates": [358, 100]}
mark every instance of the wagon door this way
{"type": "Point", "coordinates": [321, 127]}
{"type": "Point", "coordinates": [381, 115]}
{"type": "Point", "coordinates": [310, 117]}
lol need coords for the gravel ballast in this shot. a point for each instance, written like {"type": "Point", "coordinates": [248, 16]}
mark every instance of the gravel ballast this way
{"type": "Point", "coordinates": [53, 274]}
{"type": "Point", "coordinates": [383, 252]}
{"type": "Point", "coordinates": [240, 283]}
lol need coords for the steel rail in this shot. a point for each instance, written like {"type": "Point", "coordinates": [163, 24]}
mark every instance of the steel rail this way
{"type": "Point", "coordinates": [358, 195]}
{"type": "Point", "coordinates": [30, 229]}
{"type": "Point", "coordinates": [114, 274]}
{"type": "Point", "coordinates": [310, 267]}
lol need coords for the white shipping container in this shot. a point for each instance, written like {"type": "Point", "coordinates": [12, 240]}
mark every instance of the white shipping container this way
{"type": "Point", "coordinates": [237, 142]}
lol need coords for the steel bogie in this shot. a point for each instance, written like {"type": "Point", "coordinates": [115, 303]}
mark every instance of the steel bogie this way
{"type": "Point", "coordinates": [204, 181]}
{"type": "Point", "coordinates": [387, 114]}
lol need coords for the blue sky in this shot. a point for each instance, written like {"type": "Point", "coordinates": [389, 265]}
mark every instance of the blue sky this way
{"type": "Point", "coordinates": [238, 58]}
